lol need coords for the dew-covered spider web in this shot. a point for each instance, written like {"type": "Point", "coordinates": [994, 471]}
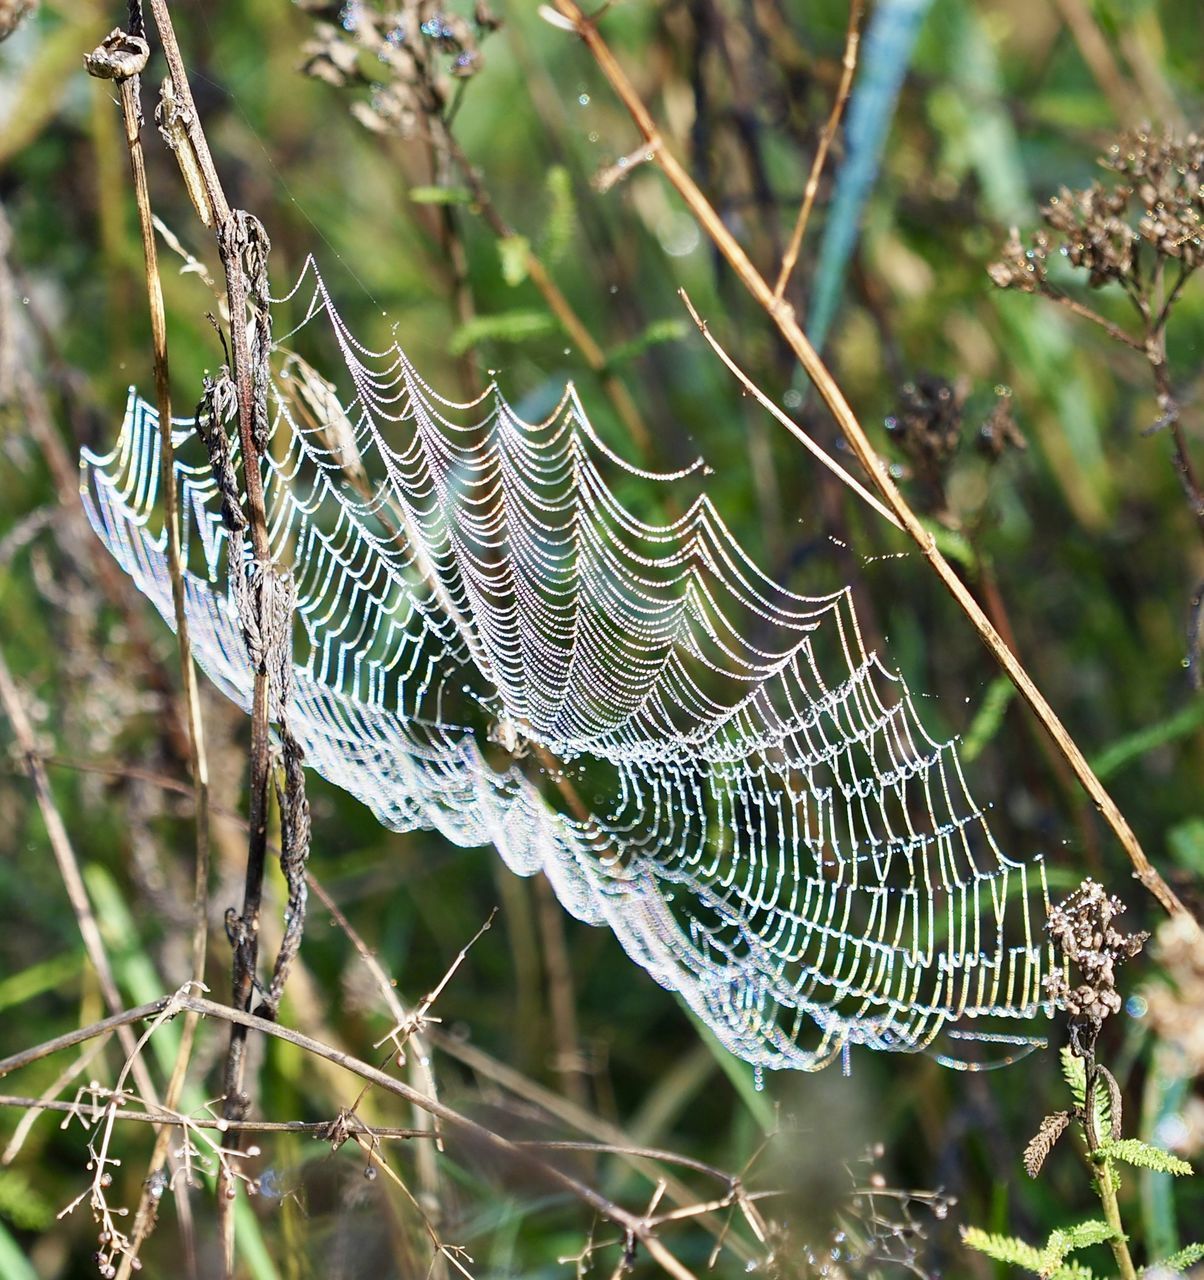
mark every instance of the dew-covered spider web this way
{"type": "Point", "coordinates": [488, 643]}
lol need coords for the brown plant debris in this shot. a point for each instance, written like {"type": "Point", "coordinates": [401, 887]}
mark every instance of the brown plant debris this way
{"type": "Point", "coordinates": [1155, 201]}
{"type": "Point", "coordinates": [1083, 931]}
{"type": "Point", "coordinates": [1042, 1142]}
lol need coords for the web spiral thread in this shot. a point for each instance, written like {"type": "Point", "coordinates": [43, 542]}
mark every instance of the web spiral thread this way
{"type": "Point", "coordinates": [738, 789]}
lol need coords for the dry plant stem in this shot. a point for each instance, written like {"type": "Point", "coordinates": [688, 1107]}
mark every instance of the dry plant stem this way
{"type": "Point", "coordinates": [316, 1128]}
{"type": "Point", "coordinates": [132, 117]}
{"type": "Point", "coordinates": [795, 430]}
{"type": "Point", "coordinates": [68, 865]}
{"type": "Point", "coordinates": [517, 1156]}
{"type": "Point", "coordinates": [246, 948]}
{"type": "Point", "coordinates": [783, 317]}
{"type": "Point", "coordinates": [848, 66]}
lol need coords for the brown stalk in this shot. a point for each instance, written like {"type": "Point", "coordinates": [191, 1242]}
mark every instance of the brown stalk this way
{"type": "Point", "coordinates": [246, 949]}
{"type": "Point", "coordinates": [131, 111]}
{"type": "Point", "coordinates": [784, 319]}
{"type": "Point", "coordinates": [848, 65]}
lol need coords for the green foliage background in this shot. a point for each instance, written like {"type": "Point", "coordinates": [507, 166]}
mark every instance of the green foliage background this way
{"type": "Point", "coordinates": [1086, 535]}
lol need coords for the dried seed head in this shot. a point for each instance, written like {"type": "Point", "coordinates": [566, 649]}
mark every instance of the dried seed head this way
{"type": "Point", "coordinates": [1083, 931]}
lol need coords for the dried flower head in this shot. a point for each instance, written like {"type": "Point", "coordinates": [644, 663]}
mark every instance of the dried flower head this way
{"type": "Point", "coordinates": [1021, 267]}
{"type": "Point", "coordinates": [1165, 173]}
{"type": "Point", "coordinates": [927, 426]}
{"type": "Point", "coordinates": [1083, 931]}
{"type": "Point", "coordinates": [1092, 230]}
{"type": "Point", "coordinates": [419, 47]}
{"type": "Point", "coordinates": [999, 432]}
{"type": "Point", "coordinates": [1156, 200]}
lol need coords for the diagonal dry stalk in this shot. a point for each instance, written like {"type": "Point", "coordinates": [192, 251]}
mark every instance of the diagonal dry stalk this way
{"type": "Point", "coordinates": [783, 317]}
{"type": "Point", "coordinates": [127, 76]}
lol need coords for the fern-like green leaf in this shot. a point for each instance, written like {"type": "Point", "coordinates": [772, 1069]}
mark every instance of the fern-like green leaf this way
{"type": "Point", "coordinates": [1066, 1240]}
{"type": "Point", "coordinates": [515, 253]}
{"type": "Point", "coordinates": [503, 326]}
{"type": "Point", "coordinates": [1075, 1072]}
{"type": "Point", "coordinates": [1178, 1262]}
{"type": "Point", "coordinates": [1018, 1253]}
{"type": "Point", "coordinates": [562, 214]}
{"type": "Point", "coordinates": [1135, 1152]}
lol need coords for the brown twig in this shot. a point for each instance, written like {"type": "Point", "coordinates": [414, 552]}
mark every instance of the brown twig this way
{"type": "Point", "coordinates": [162, 1116]}
{"type": "Point", "coordinates": [795, 430]}
{"type": "Point", "coordinates": [784, 319]}
{"type": "Point", "coordinates": [848, 66]}
{"type": "Point", "coordinates": [232, 246]}
{"type": "Point", "coordinates": [130, 88]}
{"type": "Point", "coordinates": [517, 1156]}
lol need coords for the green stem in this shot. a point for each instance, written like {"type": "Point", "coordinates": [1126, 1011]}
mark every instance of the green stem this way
{"type": "Point", "coordinates": [1105, 1188]}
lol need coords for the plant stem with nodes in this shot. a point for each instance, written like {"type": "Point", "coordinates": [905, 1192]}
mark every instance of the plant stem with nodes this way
{"type": "Point", "coordinates": [783, 317]}
{"type": "Point", "coordinates": [246, 927]}
{"type": "Point", "coordinates": [129, 83]}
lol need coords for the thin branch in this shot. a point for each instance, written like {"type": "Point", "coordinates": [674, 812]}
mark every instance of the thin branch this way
{"type": "Point", "coordinates": [795, 430]}
{"type": "Point", "coordinates": [170, 1120]}
{"type": "Point", "coordinates": [131, 111]}
{"type": "Point", "coordinates": [784, 319]}
{"type": "Point", "coordinates": [517, 1156]}
{"type": "Point", "coordinates": [848, 65]}
{"type": "Point", "coordinates": [1114, 331]}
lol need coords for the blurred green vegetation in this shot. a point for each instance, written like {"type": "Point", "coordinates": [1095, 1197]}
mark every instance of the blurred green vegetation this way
{"type": "Point", "coordinates": [1085, 535]}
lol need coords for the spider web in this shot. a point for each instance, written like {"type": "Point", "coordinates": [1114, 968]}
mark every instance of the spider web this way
{"type": "Point", "coordinates": [488, 643]}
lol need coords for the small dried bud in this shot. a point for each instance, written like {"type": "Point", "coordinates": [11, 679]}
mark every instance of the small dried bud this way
{"type": "Point", "coordinates": [1019, 267]}
{"type": "Point", "coordinates": [329, 58]}
{"type": "Point", "coordinates": [999, 432]}
{"type": "Point", "coordinates": [927, 427]}
{"type": "Point", "coordinates": [12, 14]}
{"type": "Point", "coordinates": [1095, 235]}
{"type": "Point", "coordinates": [118, 57]}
